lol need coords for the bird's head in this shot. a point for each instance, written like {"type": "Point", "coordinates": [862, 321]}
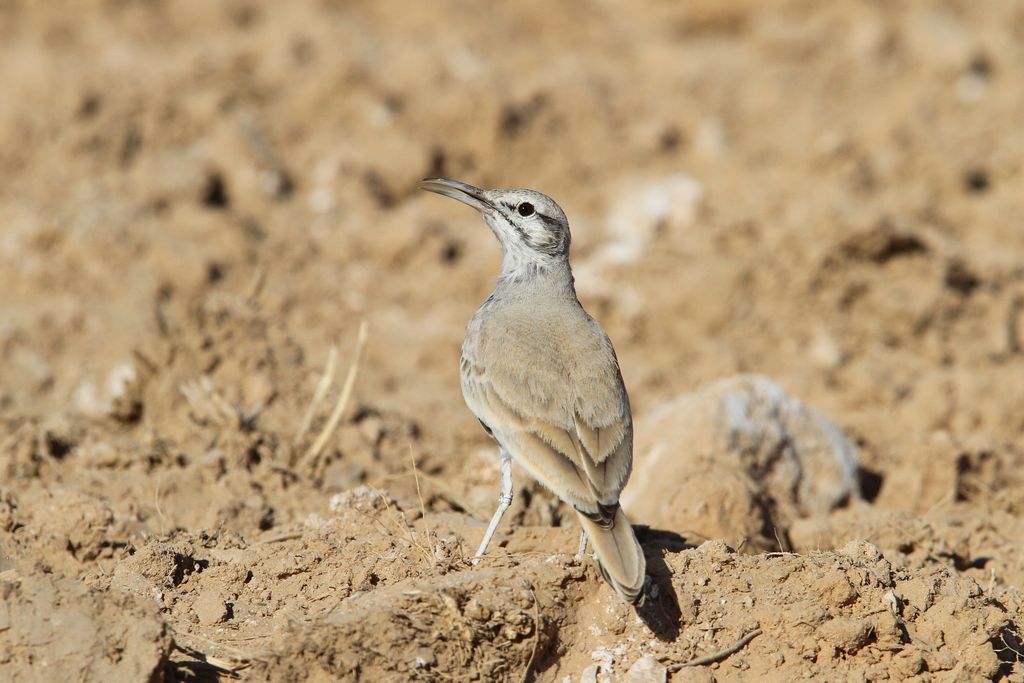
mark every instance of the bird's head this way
{"type": "Point", "coordinates": [531, 227]}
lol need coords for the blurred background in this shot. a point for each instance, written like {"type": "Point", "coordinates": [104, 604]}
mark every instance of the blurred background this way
{"type": "Point", "coordinates": [197, 200]}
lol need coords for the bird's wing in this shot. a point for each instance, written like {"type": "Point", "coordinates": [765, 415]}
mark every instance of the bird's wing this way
{"type": "Point", "coordinates": [603, 425]}
{"type": "Point", "coordinates": [566, 420]}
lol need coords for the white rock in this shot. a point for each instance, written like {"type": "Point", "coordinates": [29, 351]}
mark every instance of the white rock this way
{"type": "Point", "coordinates": [708, 462]}
{"type": "Point", "coordinates": [647, 669]}
{"type": "Point", "coordinates": [94, 400]}
{"type": "Point", "coordinates": [644, 207]}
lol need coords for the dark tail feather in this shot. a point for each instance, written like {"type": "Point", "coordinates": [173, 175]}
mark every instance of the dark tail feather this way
{"type": "Point", "coordinates": [619, 555]}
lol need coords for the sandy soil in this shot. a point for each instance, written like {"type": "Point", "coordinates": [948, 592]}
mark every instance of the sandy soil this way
{"type": "Point", "coordinates": [799, 222]}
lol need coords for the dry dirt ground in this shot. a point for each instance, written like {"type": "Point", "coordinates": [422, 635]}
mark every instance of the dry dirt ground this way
{"type": "Point", "coordinates": [199, 200]}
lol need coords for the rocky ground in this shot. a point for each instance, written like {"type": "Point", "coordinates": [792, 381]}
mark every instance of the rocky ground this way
{"type": "Point", "coordinates": [799, 222]}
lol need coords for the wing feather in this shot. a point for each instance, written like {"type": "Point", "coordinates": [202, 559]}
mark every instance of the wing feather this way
{"type": "Point", "coordinates": [584, 461]}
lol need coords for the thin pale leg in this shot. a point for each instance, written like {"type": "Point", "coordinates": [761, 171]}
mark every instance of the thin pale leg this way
{"type": "Point", "coordinates": [583, 547]}
{"type": "Point", "coordinates": [504, 500]}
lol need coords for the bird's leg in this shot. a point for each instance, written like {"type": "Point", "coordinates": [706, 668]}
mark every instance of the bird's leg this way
{"type": "Point", "coordinates": [583, 546]}
{"type": "Point", "coordinates": [504, 500]}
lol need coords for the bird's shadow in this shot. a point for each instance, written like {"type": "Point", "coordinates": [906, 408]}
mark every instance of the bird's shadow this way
{"type": "Point", "coordinates": [660, 611]}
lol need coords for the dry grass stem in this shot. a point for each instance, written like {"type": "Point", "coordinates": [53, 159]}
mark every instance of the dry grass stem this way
{"type": "Point", "coordinates": [339, 408]}
{"type": "Point", "coordinates": [322, 387]}
{"type": "Point", "coordinates": [255, 288]}
{"type": "Point", "coordinates": [286, 536]}
{"type": "Point", "coordinates": [409, 531]}
{"type": "Point", "coordinates": [208, 405]}
{"type": "Point", "coordinates": [536, 630]}
{"type": "Point", "coordinates": [156, 502]}
{"type": "Point", "coordinates": [423, 507]}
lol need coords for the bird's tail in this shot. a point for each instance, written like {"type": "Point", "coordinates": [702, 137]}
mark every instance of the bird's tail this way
{"type": "Point", "coordinates": [619, 555]}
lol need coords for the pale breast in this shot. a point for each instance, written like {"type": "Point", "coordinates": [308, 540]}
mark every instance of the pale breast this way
{"type": "Point", "coordinates": [555, 364]}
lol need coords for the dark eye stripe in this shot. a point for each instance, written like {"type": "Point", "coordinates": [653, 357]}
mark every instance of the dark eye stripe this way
{"type": "Point", "coordinates": [553, 247]}
{"type": "Point", "coordinates": [547, 219]}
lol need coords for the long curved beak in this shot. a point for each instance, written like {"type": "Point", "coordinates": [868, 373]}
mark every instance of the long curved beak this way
{"type": "Point", "coordinates": [467, 194]}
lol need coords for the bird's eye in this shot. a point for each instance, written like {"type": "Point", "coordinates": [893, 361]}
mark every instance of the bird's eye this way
{"type": "Point", "coordinates": [525, 209]}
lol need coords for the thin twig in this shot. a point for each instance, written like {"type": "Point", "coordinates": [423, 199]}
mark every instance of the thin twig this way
{"type": "Point", "coordinates": [1013, 324]}
{"type": "Point", "coordinates": [408, 530]}
{"type": "Point", "coordinates": [322, 387]}
{"type": "Point", "coordinates": [156, 501]}
{"type": "Point", "coordinates": [778, 540]}
{"type": "Point", "coordinates": [243, 658]}
{"type": "Point", "coordinates": [536, 630]}
{"type": "Point", "coordinates": [259, 279]}
{"type": "Point", "coordinates": [416, 476]}
{"type": "Point", "coordinates": [720, 655]}
{"type": "Point", "coordinates": [346, 392]}
{"type": "Point", "coordinates": [423, 507]}
{"type": "Point", "coordinates": [286, 536]}
{"type": "Point", "coordinates": [419, 494]}
{"type": "Point", "coordinates": [229, 413]}
{"type": "Point", "coordinates": [208, 404]}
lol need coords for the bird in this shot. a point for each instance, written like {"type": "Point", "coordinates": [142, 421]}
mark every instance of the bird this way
{"type": "Point", "coordinates": [542, 377]}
